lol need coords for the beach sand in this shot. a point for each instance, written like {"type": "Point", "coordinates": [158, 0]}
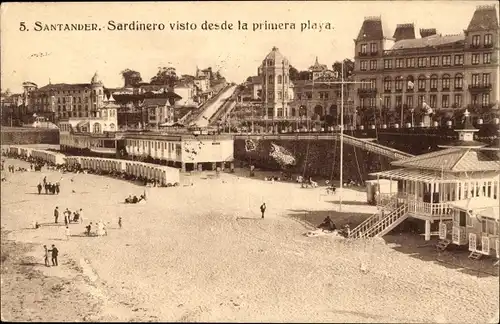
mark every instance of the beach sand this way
{"type": "Point", "coordinates": [202, 253]}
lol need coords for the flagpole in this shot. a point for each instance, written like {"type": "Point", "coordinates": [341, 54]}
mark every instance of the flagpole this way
{"type": "Point", "coordinates": [341, 138]}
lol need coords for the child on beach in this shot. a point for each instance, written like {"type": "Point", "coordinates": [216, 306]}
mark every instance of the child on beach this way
{"type": "Point", "coordinates": [47, 264]}
{"type": "Point", "coordinates": [68, 233]}
{"type": "Point", "coordinates": [120, 222]}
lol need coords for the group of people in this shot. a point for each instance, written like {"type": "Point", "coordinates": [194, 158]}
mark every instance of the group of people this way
{"type": "Point", "coordinates": [52, 253]}
{"type": "Point", "coordinates": [100, 228]}
{"type": "Point", "coordinates": [52, 188]}
{"type": "Point", "coordinates": [134, 199]}
{"type": "Point", "coordinates": [329, 225]}
{"type": "Point", "coordinates": [69, 217]}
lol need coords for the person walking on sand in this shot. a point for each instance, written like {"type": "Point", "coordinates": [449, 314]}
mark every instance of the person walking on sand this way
{"type": "Point", "coordinates": [263, 209]}
{"type": "Point", "coordinates": [68, 233]}
{"type": "Point", "coordinates": [56, 214]}
{"type": "Point", "coordinates": [120, 222]}
{"type": "Point", "coordinates": [39, 187]}
{"type": "Point", "coordinates": [47, 264]}
{"type": "Point", "coordinates": [80, 216]}
{"type": "Point", "coordinates": [57, 188]}
{"type": "Point", "coordinates": [55, 253]}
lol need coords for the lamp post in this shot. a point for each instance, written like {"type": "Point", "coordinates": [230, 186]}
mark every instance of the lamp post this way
{"type": "Point", "coordinates": [412, 121]}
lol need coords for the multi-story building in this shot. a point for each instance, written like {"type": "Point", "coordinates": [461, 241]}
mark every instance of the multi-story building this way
{"type": "Point", "coordinates": [276, 85]}
{"type": "Point", "coordinates": [62, 100]}
{"type": "Point", "coordinates": [404, 73]}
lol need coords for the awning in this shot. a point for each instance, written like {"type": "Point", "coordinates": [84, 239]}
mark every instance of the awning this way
{"type": "Point", "coordinates": [430, 176]}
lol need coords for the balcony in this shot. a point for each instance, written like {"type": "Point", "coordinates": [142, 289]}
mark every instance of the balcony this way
{"type": "Point", "coordinates": [362, 54]}
{"type": "Point", "coordinates": [374, 53]}
{"type": "Point", "coordinates": [370, 92]}
{"type": "Point", "coordinates": [421, 90]}
{"type": "Point", "coordinates": [399, 90]}
{"type": "Point", "coordinates": [417, 207]}
{"type": "Point", "coordinates": [409, 90]}
{"type": "Point", "coordinates": [474, 46]}
{"type": "Point", "coordinates": [480, 87]}
{"type": "Point", "coordinates": [446, 89]}
{"type": "Point", "coordinates": [387, 90]}
{"type": "Point", "coordinates": [490, 45]}
{"type": "Point", "coordinates": [434, 89]}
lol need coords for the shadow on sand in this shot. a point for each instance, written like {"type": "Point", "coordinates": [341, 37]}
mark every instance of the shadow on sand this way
{"type": "Point", "coordinates": [344, 202]}
{"type": "Point", "coordinates": [454, 257]}
{"type": "Point", "coordinates": [316, 217]}
{"type": "Point", "coordinates": [251, 218]}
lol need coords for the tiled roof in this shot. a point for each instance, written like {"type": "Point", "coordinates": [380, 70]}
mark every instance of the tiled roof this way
{"type": "Point", "coordinates": [426, 32]}
{"type": "Point", "coordinates": [404, 31]}
{"type": "Point", "coordinates": [431, 41]}
{"type": "Point", "coordinates": [451, 160]}
{"type": "Point", "coordinates": [492, 212]}
{"type": "Point", "coordinates": [484, 18]}
{"type": "Point", "coordinates": [371, 30]}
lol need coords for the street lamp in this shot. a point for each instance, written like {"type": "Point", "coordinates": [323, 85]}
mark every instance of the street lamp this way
{"type": "Point", "coordinates": [412, 112]}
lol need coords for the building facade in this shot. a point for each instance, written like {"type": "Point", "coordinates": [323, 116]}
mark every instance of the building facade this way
{"type": "Point", "coordinates": [62, 100]}
{"type": "Point", "coordinates": [404, 73]}
{"type": "Point", "coordinates": [276, 85]}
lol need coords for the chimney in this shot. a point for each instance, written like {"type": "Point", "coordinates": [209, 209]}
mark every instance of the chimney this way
{"type": "Point", "coordinates": [426, 32]}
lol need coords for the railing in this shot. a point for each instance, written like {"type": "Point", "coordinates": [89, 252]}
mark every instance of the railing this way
{"type": "Point", "coordinates": [377, 148]}
{"type": "Point", "coordinates": [387, 223]}
{"type": "Point", "coordinates": [429, 209]}
{"type": "Point", "coordinates": [365, 225]}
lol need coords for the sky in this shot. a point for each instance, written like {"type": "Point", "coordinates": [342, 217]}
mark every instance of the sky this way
{"type": "Point", "coordinates": [74, 56]}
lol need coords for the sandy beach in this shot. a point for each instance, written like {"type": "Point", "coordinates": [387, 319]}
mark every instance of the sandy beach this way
{"type": "Point", "coordinates": [202, 253]}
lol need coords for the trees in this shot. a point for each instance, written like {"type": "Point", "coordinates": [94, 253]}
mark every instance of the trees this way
{"type": "Point", "coordinates": [130, 77]}
{"type": "Point", "coordinates": [348, 68]}
{"type": "Point", "coordinates": [165, 76]}
{"type": "Point", "coordinates": [298, 75]}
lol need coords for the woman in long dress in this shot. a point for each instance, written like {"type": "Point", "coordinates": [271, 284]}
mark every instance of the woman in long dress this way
{"type": "Point", "coordinates": [100, 228]}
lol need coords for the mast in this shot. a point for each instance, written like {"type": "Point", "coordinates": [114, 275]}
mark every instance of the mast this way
{"type": "Point", "coordinates": [341, 138]}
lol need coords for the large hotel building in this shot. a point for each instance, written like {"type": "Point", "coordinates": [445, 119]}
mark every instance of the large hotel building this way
{"type": "Point", "coordinates": [444, 71]}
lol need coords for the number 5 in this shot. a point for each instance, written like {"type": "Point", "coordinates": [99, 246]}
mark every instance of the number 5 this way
{"type": "Point", "coordinates": [22, 26]}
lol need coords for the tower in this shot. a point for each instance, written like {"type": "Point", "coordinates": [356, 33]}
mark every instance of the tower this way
{"type": "Point", "coordinates": [97, 94]}
{"type": "Point", "coordinates": [275, 84]}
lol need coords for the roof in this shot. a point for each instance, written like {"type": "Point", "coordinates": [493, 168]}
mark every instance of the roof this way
{"type": "Point", "coordinates": [96, 78]}
{"type": "Point", "coordinates": [317, 66]}
{"type": "Point", "coordinates": [431, 41]}
{"type": "Point", "coordinates": [476, 203]}
{"type": "Point", "coordinates": [484, 18]}
{"type": "Point", "coordinates": [64, 86]}
{"type": "Point", "coordinates": [276, 55]}
{"type": "Point", "coordinates": [371, 29]}
{"type": "Point", "coordinates": [428, 176]}
{"type": "Point", "coordinates": [492, 212]}
{"type": "Point", "coordinates": [156, 102]}
{"type": "Point", "coordinates": [256, 80]}
{"type": "Point", "coordinates": [404, 31]}
{"type": "Point", "coordinates": [452, 160]}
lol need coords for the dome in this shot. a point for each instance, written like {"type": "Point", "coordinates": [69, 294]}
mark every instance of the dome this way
{"type": "Point", "coordinates": [276, 56]}
{"type": "Point", "coordinates": [95, 78]}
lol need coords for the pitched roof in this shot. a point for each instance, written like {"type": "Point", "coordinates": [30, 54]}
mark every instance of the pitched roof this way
{"type": "Point", "coordinates": [155, 101]}
{"type": "Point", "coordinates": [452, 160]}
{"type": "Point", "coordinates": [371, 29]}
{"type": "Point", "coordinates": [482, 204]}
{"type": "Point", "coordinates": [64, 86]}
{"type": "Point", "coordinates": [431, 41]}
{"type": "Point", "coordinates": [484, 18]}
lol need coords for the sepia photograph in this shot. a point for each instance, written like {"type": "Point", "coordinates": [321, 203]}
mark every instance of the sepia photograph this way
{"type": "Point", "coordinates": [250, 161]}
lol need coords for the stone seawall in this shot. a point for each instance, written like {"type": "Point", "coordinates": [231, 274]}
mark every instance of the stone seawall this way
{"type": "Point", "coordinates": [27, 135]}
{"type": "Point", "coordinates": [314, 158]}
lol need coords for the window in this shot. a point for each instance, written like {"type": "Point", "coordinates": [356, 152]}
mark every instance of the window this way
{"type": "Point", "coordinates": [421, 83]}
{"type": "Point", "coordinates": [487, 58]}
{"type": "Point", "coordinates": [421, 62]}
{"type": "Point", "coordinates": [486, 79]}
{"type": "Point", "coordinates": [373, 48]}
{"type": "Point", "coordinates": [387, 84]}
{"type": "Point", "coordinates": [309, 95]}
{"type": "Point", "coordinates": [433, 101]}
{"type": "Point", "coordinates": [387, 64]}
{"type": "Point", "coordinates": [399, 63]}
{"type": "Point", "coordinates": [270, 78]}
{"type": "Point", "coordinates": [409, 102]}
{"type": "Point", "coordinates": [476, 40]}
{"type": "Point", "coordinates": [399, 101]}
{"type": "Point", "coordinates": [434, 82]}
{"type": "Point", "coordinates": [364, 65]}
{"type": "Point", "coordinates": [387, 102]}
{"type": "Point", "coordinates": [371, 102]}
{"type": "Point", "coordinates": [475, 80]}
{"type": "Point", "coordinates": [280, 79]}
{"type": "Point", "coordinates": [462, 219]}
{"type": "Point", "coordinates": [475, 99]}
{"type": "Point", "coordinates": [445, 101]}
{"type": "Point", "coordinates": [475, 59]}
{"type": "Point", "coordinates": [280, 95]}
{"type": "Point", "coordinates": [373, 83]}
{"type": "Point", "coordinates": [410, 62]}
{"type": "Point", "coordinates": [459, 60]}
{"type": "Point", "coordinates": [488, 40]}
{"type": "Point", "coordinates": [399, 83]}
{"type": "Point", "coordinates": [434, 60]}
{"type": "Point", "coordinates": [420, 100]}
{"type": "Point", "coordinates": [457, 101]}
{"type": "Point", "coordinates": [446, 81]}
{"type": "Point", "coordinates": [410, 83]}
{"type": "Point", "coordinates": [373, 65]}
{"type": "Point", "coordinates": [364, 48]}
{"type": "Point", "coordinates": [485, 100]}
{"type": "Point", "coordinates": [459, 79]}
{"type": "Point", "coordinates": [447, 60]}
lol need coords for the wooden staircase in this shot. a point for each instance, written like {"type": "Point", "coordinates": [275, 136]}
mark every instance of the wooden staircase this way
{"type": "Point", "coordinates": [443, 244]}
{"type": "Point", "coordinates": [376, 225]}
{"type": "Point", "coordinates": [475, 255]}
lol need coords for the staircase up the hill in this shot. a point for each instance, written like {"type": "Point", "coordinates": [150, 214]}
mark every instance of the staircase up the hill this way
{"type": "Point", "coordinates": [378, 225]}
